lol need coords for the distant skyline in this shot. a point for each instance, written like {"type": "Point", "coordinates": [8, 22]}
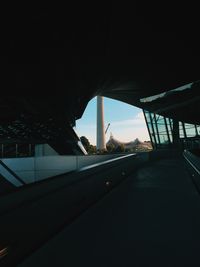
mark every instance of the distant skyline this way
{"type": "Point", "coordinates": [126, 122]}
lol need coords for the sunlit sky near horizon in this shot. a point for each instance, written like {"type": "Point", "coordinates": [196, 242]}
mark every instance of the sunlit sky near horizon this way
{"type": "Point", "coordinates": [126, 122]}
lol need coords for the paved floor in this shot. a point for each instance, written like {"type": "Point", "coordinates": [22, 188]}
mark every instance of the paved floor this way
{"type": "Point", "coordinates": [151, 219]}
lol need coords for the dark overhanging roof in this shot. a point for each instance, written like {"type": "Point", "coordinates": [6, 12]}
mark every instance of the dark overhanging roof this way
{"type": "Point", "coordinates": [56, 60]}
{"type": "Point", "coordinates": [183, 105]}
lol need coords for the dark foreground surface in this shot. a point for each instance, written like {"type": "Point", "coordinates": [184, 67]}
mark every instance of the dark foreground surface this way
{"type": "Point", "coordinates": [151, 219]}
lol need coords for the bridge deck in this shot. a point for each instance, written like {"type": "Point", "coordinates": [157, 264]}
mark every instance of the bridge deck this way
{"type": "Point", "coordinates": [152, 218]}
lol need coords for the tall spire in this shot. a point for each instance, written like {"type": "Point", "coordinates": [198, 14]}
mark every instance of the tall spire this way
{"type": "Point", "coordinates": [101, 144]}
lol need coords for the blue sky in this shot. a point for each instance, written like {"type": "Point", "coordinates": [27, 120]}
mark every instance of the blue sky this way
{"type": "Point", "coordinates": [126, 122]}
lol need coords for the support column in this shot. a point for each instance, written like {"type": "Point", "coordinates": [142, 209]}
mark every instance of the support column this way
{"type": "Point", "coordinates": [175, 133]}
{"type": "Point", "coordinates": [42, 150]}
{"type": "Point", "coordinates": [101, 144]}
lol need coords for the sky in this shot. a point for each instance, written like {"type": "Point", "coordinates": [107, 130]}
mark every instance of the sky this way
{"type": "Point", "coordinates": [126, 122]}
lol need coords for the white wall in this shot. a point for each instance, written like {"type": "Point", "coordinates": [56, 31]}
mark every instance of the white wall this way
{"type": "Point", "coordinates": [39, 168]}
{"type": "Point", "coordinates": [11, 178]}
{"type": "Point", "coordinates": [23, 167]}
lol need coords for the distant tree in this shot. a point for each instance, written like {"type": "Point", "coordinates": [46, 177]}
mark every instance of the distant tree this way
{"type": "Point", "coordinates": [88, 147]}
{"type": "Point", "coordinates": [92, 149]}
{"type": "Point", "coordinates": [85, 143]}
{"type": "Point", "coordinates": [120, 148]}
{"type": "Point", "coordinates": [128, 150]}
{"type": "Point", "coordinates": [110, 148]}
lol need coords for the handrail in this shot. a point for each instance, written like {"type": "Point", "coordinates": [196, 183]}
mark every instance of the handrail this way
{"type": "Point", "coordinates": [105, 162]}
{"type": "Point", "coordinates": [193, 160]}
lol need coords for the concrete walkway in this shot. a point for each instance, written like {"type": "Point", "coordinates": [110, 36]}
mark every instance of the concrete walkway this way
{"type": "Point", "coordinates": [151, 219]}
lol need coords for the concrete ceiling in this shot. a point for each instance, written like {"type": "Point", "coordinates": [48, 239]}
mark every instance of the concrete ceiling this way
{"type": "Point", "coordinates": [57, 59]}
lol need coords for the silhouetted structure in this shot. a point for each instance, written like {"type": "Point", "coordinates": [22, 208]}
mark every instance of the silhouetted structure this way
{"type": "Point", "coordinates": [134, 145]}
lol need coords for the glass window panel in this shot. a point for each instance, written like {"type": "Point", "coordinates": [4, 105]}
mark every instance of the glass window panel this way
{"type": "Point", "coordinates": [190, 130]}
{"type": "Point", "coordinates": [181, 131]}
{"type": "Point", "coordinates": [161, 121]}
{"type": "Point", "coordinates": [156, 137]}
{"type": "Point", "coordinates": [198, 129]}
{"type": "Point", "coordinates": [157, 117]}
{"type": "Point", "coordinates": [167, 121]}
{"type": "Point", "coordinates": [170, 137]}
{"type": "Point", "coordinates": [164, 139]}
{"type": "Point", "coordinates": [162, 128]}
{"type": "Point", "coordinates": [147, 116]}
{"type": "Point", "coordinates": [150, 128]}
{"type": "Point", "coordinates": [168, 126]}
{"type": "Point", "coordinates": [151, 131]}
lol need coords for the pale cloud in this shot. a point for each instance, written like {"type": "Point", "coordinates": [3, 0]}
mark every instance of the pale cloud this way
{"type": "Point", "coordinates": [128, 130]}
{"type": "Point", "coordinates": [138, 120]}
{"type": "Point", "coordinates": [140, 115]}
